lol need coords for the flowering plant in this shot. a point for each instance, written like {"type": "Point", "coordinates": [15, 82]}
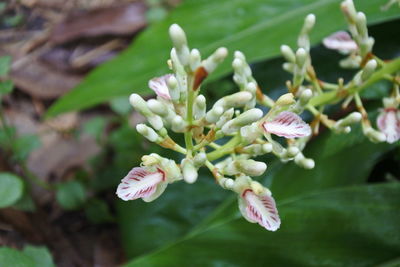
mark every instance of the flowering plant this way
{"type": "Point", "coordinates": [226, 137]}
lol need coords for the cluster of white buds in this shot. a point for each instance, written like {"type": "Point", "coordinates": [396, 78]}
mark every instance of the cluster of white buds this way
{"type": "Point", "coordinates": [226, 137]}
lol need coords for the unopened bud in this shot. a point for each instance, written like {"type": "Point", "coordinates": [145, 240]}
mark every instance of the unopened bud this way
{"type": "Point", "coordinates": [250, 167]}
{"type": "Point", "coordinates": [303, 162]}
{"type": "Point", "coordinates": [243, 119]}
{"type": "Point", "coordinates": [189, 171]}
{"type": "Point", "coordinates": [194, 59]}
{"type": "Point", "coordinates": [368, 69]}
{"type": "Point", "coordinates": [215, 59]}
{"type": "Point", "coordinates": [199, 107]}
{"type": "Point", "coordinates": [301, 57]}
{"type": "Point", "coordinates": [179, 41]}
{"type": "Point", "coordinates": [147, 132]}
{"type": "Point", "coordinates": [173, 89]}
{"type": "Point", "coordinates": [288, 54]}
{"type": "Point", "coordinates": [235, 100]}
{"type": "Point", "coordinates": [199, 159]}
{"type": "Point", "coordinates": [309, 22]}
{"type": "Point", "coordinates": [251, 132]}
{"type": "Point", "coordinates": [178, 124]}
{"type": "Point", "coordinates": [157, 107]}
{"type": "Point", "coordinates": [214, 114]}
{"type": "Point", "coordinates": [226, 183]}
{"type": "Point", "coordinates": [227, 116]}
{"type": "Point", "coordinates": [286, 99]}
{"type": "Point", "coordinates": [374, 135]}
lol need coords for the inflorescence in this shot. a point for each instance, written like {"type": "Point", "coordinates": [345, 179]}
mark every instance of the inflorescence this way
{"type": "Point", "coordinates": [181, 108]}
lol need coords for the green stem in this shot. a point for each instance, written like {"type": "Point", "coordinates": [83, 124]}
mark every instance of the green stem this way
{"type": "Point", "coordinates": [225, 149]}
{"type": "Point", "coordinates": [331, 97]}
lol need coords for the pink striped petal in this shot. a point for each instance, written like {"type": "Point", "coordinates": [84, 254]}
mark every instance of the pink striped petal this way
{"type": "Point", "coordinates": [287, 124]}
{"type": "Point", "coordinates": [340, 41]}
{"type": "Point", "coordinates": [159, 86]}
{"type": "Point", "coordinates": [140, 183]}
{"type": "Point", "coordinates": [259, 209]}
{"type": "Point", "coordinates": [389, 123]}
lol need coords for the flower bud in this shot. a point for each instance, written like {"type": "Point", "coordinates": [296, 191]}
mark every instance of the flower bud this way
{"type": "Point", "coordinates": [303, 162]}
{"type": "Point", "coordinates": [139, 105]}
{"type": "Point", "coordinates": [250, 167]}
{"type": "Point", "coordinates": [199, 108]}
{"type": "Point", "coordinates": [250, 133]}
{"type": "Point", "coordinates": [194, 59]}
{"type": "Point", "coordinates": [361, 24]}
{"type": "Point", "coordinates": [199, 159]}
{"type": "Point", "coordinates": [211, 63]}
{"type": "Point", "coordinates": [226, 183]}
{"type": "Point", "coordinates": [147, 132]}
{"type": "Point", "coordinates": [286, 99]}
{"type": "Point", "coordinates": [179, 41]}
{"type": "Point", "coordinates": [189, 171]}
{"type": "Point", "coordinates": [301, 57]}
{"type": "Point", "coordinates": [173, 89]}
{"type": "Point", "coordinates": [309, 22]}
{"type": "Point", "coordinates": [227, 116]}
{"type": "Point", "coordinates": [214, 114]}
{"type": "Point", "coordinates": [267, 148]}
{"type": "Point", "coordinates": [157, 107]}
{"type": "Point", "coordinates": [368, 69]}
{"type": "Point", "coordinates": [178, 124]}
{"type": "Point", "coordinates": [243, 119]}
{"type": "Point", "coordinates": [352, 118]}
{"type": "Point", "coordinates": [235, 100]}
{"type": "Point", "coordinates": [374, 135]}
{"type": "Point", "coordinates": [288, 54]}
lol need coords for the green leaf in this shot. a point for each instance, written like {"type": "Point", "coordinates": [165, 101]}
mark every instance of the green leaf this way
{"type": "Point", "coordinates": [40, 255]}
{"type": "Point", "coordinates": [14, 258]}
{"type": "Point", "coordinates": [353, 226]}
{"type": "Point", "coordinates": [11, 189]}
{"type": "Point", "coordinates": [6, 87]}
{"type": "Point", "coordinates": [4, 65]}
{"type": "Point", "coordinates": [24, 145]}
{"type": "Point", "coordinates": [71, 195]}
{"type": "Point", "coordinates": [147, 226]}
{"type": "Point", "coordinates": [97, 211]}
{"type": "Point", "coordinates": [256, 27]}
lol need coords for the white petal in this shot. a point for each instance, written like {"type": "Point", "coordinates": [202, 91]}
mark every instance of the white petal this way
{"type": "Point", "coordinates": [287, 124]}
{"type": "Point", "coordinates": [159, 86]}
{"type": "Point", "coordinates": [139, 183]}
{"type": "Point", "coordinates": [389, 123]}
{"type": "Point", "coordinates": [340, 41]}
{"type": "Point", "coordinates": [259, 209]}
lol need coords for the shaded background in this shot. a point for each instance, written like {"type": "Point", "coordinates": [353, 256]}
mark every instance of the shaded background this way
{"type": "Point", "coordinates": [64, 151]}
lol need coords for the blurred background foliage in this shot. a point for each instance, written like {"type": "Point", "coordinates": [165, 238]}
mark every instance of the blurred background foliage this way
{"type": "Point", "coordinates": [344, 212]}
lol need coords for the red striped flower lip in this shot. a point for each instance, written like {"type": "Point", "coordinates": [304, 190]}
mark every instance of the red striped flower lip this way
{"type": "Point", "coordinates": [141, 183]}
{"type": "Point", "coordinates": [260, 209]}
{"type": "Point", "coordinates": [287, 124]}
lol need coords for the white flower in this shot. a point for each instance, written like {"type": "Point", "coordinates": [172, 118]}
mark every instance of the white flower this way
{"type": "Point", "coordinates": [389, 123]}
{"type": "Point", "coordinates": [143, 183]}
{"type": "Point", "coordinates": [259, 209]}
{"type": "Point", "coordinates": [288, 125]}
{"type": "Point", "coordinates": [159, 86]}
{"type": "Point", "coordinates": [340, 41]}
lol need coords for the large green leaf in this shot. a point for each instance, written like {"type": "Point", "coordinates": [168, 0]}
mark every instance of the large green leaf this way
{"type": "Point", "coordinates": [354, 226]}
{"type": "Point", "coordinates": [256, 27]}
